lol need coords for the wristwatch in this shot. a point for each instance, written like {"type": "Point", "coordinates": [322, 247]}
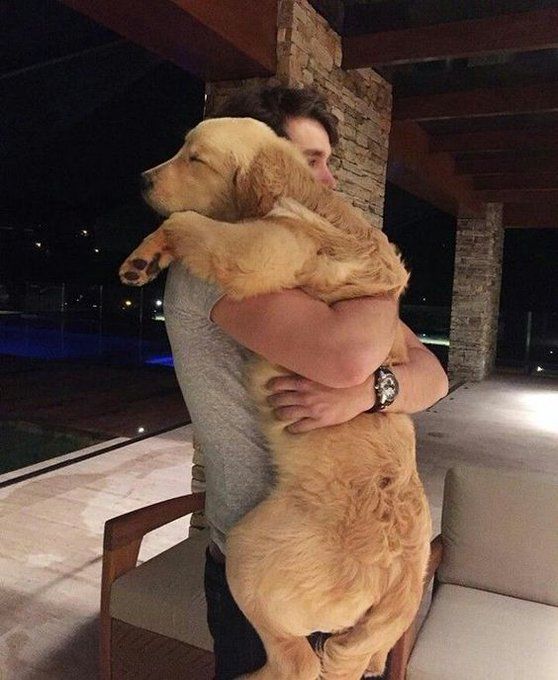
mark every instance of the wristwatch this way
{"type": "Point", "coordinates": [385, 389]}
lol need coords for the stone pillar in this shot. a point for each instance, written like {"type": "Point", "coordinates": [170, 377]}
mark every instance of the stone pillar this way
{"type": "Point", "coordinates": [309, 53]}
{"type": "Point", "coordinates": [476, 294]}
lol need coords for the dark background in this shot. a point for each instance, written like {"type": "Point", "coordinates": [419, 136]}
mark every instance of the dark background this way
{"type": "Point", "coordinates": [85, 111]}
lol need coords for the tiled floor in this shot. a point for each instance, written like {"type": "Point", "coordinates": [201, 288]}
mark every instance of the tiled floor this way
{"type": "Point", "coordinates": [50, 551]}
{"type": "Point", "coordinates": [504, 422]}
{"type": "Point", "coordinates": [51, 526]}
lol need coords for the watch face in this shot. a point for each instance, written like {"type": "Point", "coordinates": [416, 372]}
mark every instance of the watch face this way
{"type": "Point", "coordinates": [388, 388]}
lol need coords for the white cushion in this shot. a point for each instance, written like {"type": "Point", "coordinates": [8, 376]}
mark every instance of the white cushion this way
{"type": "Point", "coordinates": [500, 532]}
{"type": "Point", "coordinates": [166, 595]}
{"type": "Point", "coordinates": [472, 634]}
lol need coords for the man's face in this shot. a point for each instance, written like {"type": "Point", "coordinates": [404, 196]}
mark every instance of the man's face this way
{"type": "Point", "coordinates": [311, 138]}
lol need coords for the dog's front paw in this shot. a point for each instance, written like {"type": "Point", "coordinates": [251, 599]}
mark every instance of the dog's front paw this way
{"type": "Point", "coordinates": [137, 270]}
{"type": "Point", "coordinates": [148, 259]}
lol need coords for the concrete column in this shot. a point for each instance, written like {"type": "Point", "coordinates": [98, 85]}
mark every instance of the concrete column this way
{"type": "Point", "coordinates": [309, 53]}
{"type": "Point", "coordinates": [476, 294]}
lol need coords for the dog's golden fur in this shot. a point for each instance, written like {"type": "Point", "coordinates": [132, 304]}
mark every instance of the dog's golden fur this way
{"type": "Point", "coordinates": [342, 541]}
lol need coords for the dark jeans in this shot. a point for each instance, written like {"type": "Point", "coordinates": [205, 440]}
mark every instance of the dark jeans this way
{"type": "Point", "coordinates": [236, 645]}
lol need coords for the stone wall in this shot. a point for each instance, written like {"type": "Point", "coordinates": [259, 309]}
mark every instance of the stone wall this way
{"type": "Point", "coordinates": [309, 53]}
{"type": "Point", "coordinates": [476, 294]}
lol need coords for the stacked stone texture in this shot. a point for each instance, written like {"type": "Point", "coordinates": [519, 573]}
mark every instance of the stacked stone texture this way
{"type": "Point", "coordinates": [476, 294]}
{"type": "Point", "coordinates": [309, 53]}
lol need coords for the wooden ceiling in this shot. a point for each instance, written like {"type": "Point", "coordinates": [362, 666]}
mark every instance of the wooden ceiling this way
{"type": "Point", "coordinates": [214, 40]}
{"type": "Point", "coordinates": [475, 83]}
{"type": "Point", "coordinates": [475, 116]}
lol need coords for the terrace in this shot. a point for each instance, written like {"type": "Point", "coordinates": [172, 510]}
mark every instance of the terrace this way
{"type": "Point", "coordinates": [455, 106]}
{"type": "Point", "coordinates": [52, 524]}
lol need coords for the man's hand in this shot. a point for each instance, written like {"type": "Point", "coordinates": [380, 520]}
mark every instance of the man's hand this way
{"type": "Point", "coordinates": [422, 382]}
{"type": "Point", "coordinates": [314, 405]}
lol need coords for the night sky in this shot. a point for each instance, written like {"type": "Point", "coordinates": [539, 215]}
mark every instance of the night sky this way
{"type": "Point", "coordinates": [84, 112]}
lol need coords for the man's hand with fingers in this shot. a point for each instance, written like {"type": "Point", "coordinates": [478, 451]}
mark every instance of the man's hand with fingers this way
{"type": "Point", "coordinates": [313, 405]}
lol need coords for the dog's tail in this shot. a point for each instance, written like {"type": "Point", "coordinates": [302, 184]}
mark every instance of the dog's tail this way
{"type": "Point", "coordinates": [364, 647]}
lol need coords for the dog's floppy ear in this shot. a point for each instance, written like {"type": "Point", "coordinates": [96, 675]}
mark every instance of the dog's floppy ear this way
{"type": "Point", "coordinates": [275, 171]}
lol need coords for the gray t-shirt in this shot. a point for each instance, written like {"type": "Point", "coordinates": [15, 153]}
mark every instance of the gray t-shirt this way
{"type": "Point", "coordinates": [210, 369]}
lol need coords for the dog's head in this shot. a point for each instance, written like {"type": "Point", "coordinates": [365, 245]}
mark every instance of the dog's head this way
{"type": "Point", "coordinates": [228, 168]}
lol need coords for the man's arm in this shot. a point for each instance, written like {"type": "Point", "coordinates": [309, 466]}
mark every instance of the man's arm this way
{"type": "Point", "coordinates": [422, 382]}
{"type": "Point", "coordinates": [337, 346]}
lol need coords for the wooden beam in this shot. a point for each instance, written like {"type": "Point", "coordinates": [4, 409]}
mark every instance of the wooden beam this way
{"type": "Point", "coordinates": [429, 176]}
{"type": "Point", "coordinates": [495, 140]}
{"type": "Point", "coordinates": [538, 216]}
{"type": "Point", "coordinates": [503, 164]}
{"type": "Point", "coordinates": [367, 16]}
{"type": "Point", "coordinates": [408, 82]}
{"type": "Point", "coordinates": [217, 40]}
{"type": "Point", "coordinates": [541, 181]}
{"type": "Point", "coordinates": [518, 32]}
{"type": "Point", "coordinates": [517, 195]}
{"type": "Point", "coordinates": [504, 101]}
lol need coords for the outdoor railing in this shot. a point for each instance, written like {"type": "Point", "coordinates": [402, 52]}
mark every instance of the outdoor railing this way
{"type": "Point", "coordinates": [127, 324]}
{"type": "Point", "coordinates": [71, 320]}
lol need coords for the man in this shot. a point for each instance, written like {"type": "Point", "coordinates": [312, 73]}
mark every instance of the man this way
{"type": "Point", "coordinates": [335, 351]}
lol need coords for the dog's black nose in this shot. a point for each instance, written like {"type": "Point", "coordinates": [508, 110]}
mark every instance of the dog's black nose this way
{"type": "Point", "coordinates": [145, 181]}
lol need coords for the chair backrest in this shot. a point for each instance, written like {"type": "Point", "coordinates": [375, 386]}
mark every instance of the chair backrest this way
{"type": "Point", "coordinates": [500, 532]}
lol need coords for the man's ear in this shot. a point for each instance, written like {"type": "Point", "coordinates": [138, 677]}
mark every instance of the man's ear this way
{"type": "Point", "coordinates": [275, 171]}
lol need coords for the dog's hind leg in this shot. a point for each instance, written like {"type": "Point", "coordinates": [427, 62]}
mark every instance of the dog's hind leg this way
{"type": "Point", "coordinates": [365, 646]}
{"type": "Point", "coordinates": [288, 658]}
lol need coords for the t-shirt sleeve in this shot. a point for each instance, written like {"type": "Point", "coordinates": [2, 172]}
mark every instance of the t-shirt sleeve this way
{"type": "Point", "coordinates": [188, 294]}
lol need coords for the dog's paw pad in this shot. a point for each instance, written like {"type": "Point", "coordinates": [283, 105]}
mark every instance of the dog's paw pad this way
{"type": "Point", "coordinates": [138, 271]}
{"type": "Point", "coordinates": [153, 267]}
{"type": "Point", "coordinates": [131, 276]}
{"type": "Point", "coordinates": [139, 263]}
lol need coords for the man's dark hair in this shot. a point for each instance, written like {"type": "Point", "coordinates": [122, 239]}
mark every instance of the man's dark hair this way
{"type": "Point", "coordinates": [273, 105]}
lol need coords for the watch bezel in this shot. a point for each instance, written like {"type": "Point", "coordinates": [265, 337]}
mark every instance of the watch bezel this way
{"type": "Point", "coordinates": [384, 377]}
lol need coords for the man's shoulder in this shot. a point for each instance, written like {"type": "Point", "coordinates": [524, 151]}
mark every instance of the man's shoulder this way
{"type": "Point", "coordinates": [189, 293]}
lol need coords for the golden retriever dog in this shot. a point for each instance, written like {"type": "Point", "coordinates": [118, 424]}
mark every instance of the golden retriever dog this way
{"type": "Point", "coordinates": [341, 543]}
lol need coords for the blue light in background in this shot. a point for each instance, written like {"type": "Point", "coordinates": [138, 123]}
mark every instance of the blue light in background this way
{"type": "Point", "coordinates": [161, 361]}
{"type": "Point", "coordinates": [18, 338]}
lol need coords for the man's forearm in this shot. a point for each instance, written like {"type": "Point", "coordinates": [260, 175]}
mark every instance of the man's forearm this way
{"type": "Point", "coordinates": [422, 382]}
{"type": "Point", "coordinates": [337, 345]}
{"type": "Point", "coordinates": [366, 330]}
{"type": "Point", "coordinates": [312, 404]}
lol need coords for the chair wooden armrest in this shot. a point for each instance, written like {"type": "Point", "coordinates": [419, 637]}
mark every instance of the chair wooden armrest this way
{"type": "Point", "coordinates": [121, 545]}
{"type": "Point", "coordinates": [401, 652]}
{"type": "Point", "coordinates": [124, 529]}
